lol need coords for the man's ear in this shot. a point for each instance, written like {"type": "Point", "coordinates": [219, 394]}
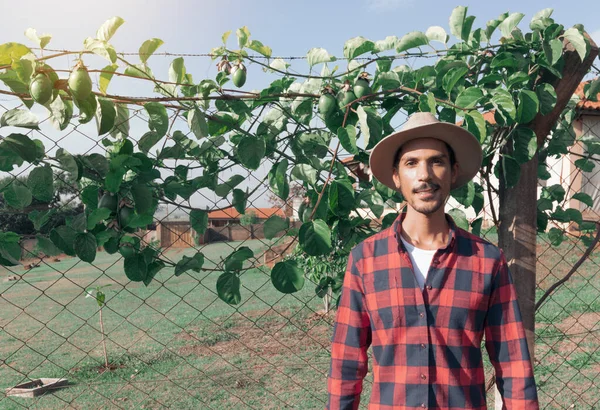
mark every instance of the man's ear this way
{"type": "Point", "coordinates": [396, 177]}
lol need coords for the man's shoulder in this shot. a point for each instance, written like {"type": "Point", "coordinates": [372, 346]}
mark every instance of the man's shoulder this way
{"type": "Point", "coordinates": [469, 244]}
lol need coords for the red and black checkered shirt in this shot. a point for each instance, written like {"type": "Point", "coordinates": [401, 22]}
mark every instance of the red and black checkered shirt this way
{"type": "Point", "coordinates": [427, 344]}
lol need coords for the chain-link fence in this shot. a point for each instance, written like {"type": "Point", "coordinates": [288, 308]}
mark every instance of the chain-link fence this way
{"type": "Point", "coordinates": [107, 342]}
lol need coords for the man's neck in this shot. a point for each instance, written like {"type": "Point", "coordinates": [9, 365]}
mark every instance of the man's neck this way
{"type": "Point", "coordinates": [425, 231]}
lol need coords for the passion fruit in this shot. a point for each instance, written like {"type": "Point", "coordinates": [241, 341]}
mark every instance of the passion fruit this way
{"type": "Point", "coordinates": [108, 201]}
{"type": "Point", "coordinates": [80, 83]}
{"type": "Point", "coordinates": [326, 104]}
{"type": "Point", "coordinates": [125, 216]}
{"type": "Point", "coordinates": [238, 75]}
{"type": "Point", "coordinates": [40, 88]}
{"type": "Point", "coordinates": [361, 86]}
{"type": "Point", "coordinates": [126, 249]}
{"type": "Point", "coordinates": [345, 97]}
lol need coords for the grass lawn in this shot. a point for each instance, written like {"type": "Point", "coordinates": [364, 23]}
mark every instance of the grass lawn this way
{"type": "Point", "coordinates": [175, 344]}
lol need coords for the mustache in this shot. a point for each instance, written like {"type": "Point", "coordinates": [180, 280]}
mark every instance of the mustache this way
{"type": "Point", "coordinates": [425, 187]}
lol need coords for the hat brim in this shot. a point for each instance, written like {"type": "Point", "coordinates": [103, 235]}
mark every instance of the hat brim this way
{"type": "Point", "coordinates": [467, 151]}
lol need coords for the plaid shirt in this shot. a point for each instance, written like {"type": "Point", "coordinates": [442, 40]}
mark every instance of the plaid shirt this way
{"type": "Point", "coordinates": [427, 344]}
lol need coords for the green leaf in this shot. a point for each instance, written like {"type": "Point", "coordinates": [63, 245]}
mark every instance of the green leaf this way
{"type": "Point", "coordinates": [97, 216]}
{"type": "Point", "coordinates": [243, 34]}
{"type": "Point", "coordinates": [40, 218]}
{"type": "Point", "coordinates": [235, 261]}
{"type": "Point", "coordinates": [511, 171]}
{"type": "Point", "coordinates": [121, 129]}
{"type": "Point", "coordinates": [469, 97]}
{"type": "Point", "coordinates": [412, 40]}
{"type": "Point", "coordinates": [228, 288]}
{"type": "Point", "coordinates": [106, 76]}
{"type": "Point", "coordinates": [12, 51]}
{"type": "Point", "coordinates": [41, 184]}
{"type": "Point", "coordinates": [135, 267]}
{"type": "Point", "coordinates": [585, 164]}
{"type": "Point", "coordinates": [305, 173]}
{"type": "Point", "coordinates": [260, 48]}
{"type": "Point", "coordinates": [148, 140]}
{"type": "Point", "coordinates": [452, 77]}
{"type": "Point", "coordinates": [105, 115]}
{"type": "Point", "coordinates": [186, 263]}
{"type": "Point", "coordinates": [315, 238]}
{"type": "Point", "coordinates": [553, 50]}
{"type": "Point", "coordinates": [19, 118]}
{"type": "Point", "coordinates": [85, 247]}
{"type": "Point", "coordinates": [100, 48]}
{"type": "Point", "coordinates": [525, 143]}
{"type": "Point", "coordinates": [17, 195]}
{"type": "Point", "coordinates": [197, 123]}
{"type": "Point", "coordinates": [591, 90]}
{"type": "Point", "coordinates": [139, 71]}
{"type": "Point", "coordinates": [46, 246]}
{"type": "Point", "coordinates": [347, 138]}
{"type": "Point", "coordinates": [109, 28]}
{"type": "Point", "coordinates": [279, 64]}
{"type": "Point", "coordinates": [547, 98]}
{"type": "Point", "coordinates": [225, 188]}
{"type": "Point", "coordinates": [159, 119]}
{"type": "Point", "coordinates": [278, 180]}
{"type": "Point", "coordinates": [357, 46]}
{"type": "Point", "coordinates": [142, 197]}
{"type": "Point", "coordinates": [250, 151]}
{"type": "Point", "coordinates": [584, 198]}
{"type": "Point", "coordinates": [287, 277]}
{"type": "Point", "coordinates": [504, 60]}
{"type": "Point", "coordinates": [239, 200]}
{"type": "Point", "coordinates": [538, 17]}
{"type": "Point", "coordinates": [87, 108]}
{"type": "Point", "coordinates": [274, 225]}
{"type": "Point", "coordinates": [510, 23]}
{"type": "Point", "coordinates": [148, 48]}
{"type": "Point", "coordinates": [341, 197]}
{"type": "Point", "coordinates": [61, 112]}
{"type": "Point", "coordinates": [64, 237]}
{"type": "Point", "coordinates": [23, 146]}
{"type": "Point", "coordinates": [504, 105]}
{"type": "Point", "coordinates": [389, 80]}
{"type": "Point", "coordinates": [371, 125]}
{"type": "Point", "coordinates": [10, 249]}
{"type": "Point", "coordinates": [177, 71]}
{"type": "Point", "coordinates": [476, 125]}
{"type": "Point", "coordinates": [199, 221]}
{"type": "Point", "coordinates": [465, 194]}
{"type": "Point", "coordinates": [577, 41]}
{"type": "Point", "coordinates": [457, 20]}
{"type": "Point", "coordinates": [317, 56]}
{"type": "Point", "coordinates": [41, 41]}
{"type": "Point", "coordinates": [528, 106]}
{"type": "Point", "coordinates": [427, 103]}
{"type": "Point", "coordinates": [556, 236]}
{"type": "Point", "coordinates": [388, 43]}
{"type": "Point", "coordinates": [555, 192]}
{"type": "Point", "coordinates": [437, 33]}
{"type": "Point", "coordinates": [459, 218]}
{"type": "Point", "coordinates": [68, 163]}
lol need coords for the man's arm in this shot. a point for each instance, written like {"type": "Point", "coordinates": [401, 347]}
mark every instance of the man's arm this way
{"type": "Point", "coordinates": [351, 339]}
{"type": "Point", "coordinates": [506, 343]}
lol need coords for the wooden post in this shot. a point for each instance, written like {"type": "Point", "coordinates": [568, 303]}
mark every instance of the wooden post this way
{"type": "Point", "coordinates": [518, 205]}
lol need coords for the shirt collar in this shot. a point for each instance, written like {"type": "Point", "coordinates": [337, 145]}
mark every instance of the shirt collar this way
{"type": "Point", "coordinates": [397, 230]}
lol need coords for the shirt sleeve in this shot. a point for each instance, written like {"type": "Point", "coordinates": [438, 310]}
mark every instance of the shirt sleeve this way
{"type": "Point", "coordinates": [351, 339]}
{"type": "Point", "coordinates": [506, 344]}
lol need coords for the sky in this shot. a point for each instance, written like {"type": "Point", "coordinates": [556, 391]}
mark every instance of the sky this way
{"type": "Point", "coordinates": [289, 28]}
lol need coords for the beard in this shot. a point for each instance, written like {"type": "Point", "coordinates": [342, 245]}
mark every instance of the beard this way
{"type": "Point", "coordinates": [424, 206]}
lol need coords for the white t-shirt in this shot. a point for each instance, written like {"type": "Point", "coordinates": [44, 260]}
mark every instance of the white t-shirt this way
{"type": "Point", "coordinates": [421, 260]}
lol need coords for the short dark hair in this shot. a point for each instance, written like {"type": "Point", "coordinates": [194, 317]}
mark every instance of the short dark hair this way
{"type": "Point", "coordinates": [448, 147]}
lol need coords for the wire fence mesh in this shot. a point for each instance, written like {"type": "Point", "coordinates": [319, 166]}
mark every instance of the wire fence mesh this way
{"type": "Point", "coordinates": [176, 344]}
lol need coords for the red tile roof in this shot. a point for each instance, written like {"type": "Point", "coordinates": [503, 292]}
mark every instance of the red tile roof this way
{"type": "Point", "coordinates": [586, 104]}
{"type": "Point", "coordinates": [231, 213]}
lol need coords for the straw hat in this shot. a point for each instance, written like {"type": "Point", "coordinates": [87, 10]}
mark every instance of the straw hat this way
{"type": "Point", "coordinates": [467, 148]}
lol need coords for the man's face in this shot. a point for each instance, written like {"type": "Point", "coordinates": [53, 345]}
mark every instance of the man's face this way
{"type": "Point", "coordinates": [424, 174]}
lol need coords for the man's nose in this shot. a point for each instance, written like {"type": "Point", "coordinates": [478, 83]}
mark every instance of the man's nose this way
{"type": "Point", "coordinates": [424, 171]}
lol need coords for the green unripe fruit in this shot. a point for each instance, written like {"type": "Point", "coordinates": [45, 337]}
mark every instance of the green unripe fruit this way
{"type": "Point", "coordinates": [126, 250]}
{"type": "Point", "coordinates": [125, 216]}
{"type": "Point", "coordinates": [344, 98]}
{"type": "Point", "coordinates": [80, 83]}
{"type": "Point", "coordinates": [326, 104]}
{"type": "Point", "coordinates": [40, 89]}
{"type": "Point", "coordinates": [108, 201]}
{"type": "Point", "coordinates": [361, 87]}
{"type": "Point", "coordinates": [238, 76]}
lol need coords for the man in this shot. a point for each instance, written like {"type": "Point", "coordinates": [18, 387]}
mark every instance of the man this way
{"type": "Point", "coordinates": [423, 292]}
